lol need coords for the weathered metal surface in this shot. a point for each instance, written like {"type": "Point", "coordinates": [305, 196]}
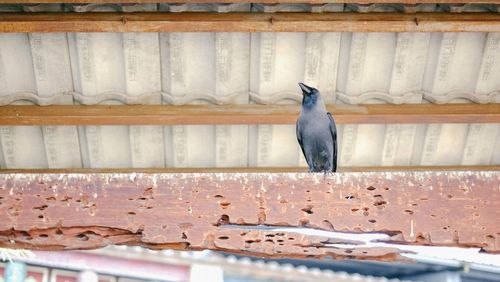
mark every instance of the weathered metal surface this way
{"type": "Point", "coordinates": [236, 212]}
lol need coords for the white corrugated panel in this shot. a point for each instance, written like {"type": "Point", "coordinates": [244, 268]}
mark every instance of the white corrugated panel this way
{"type": "Point", "coordinates": [241, 68]}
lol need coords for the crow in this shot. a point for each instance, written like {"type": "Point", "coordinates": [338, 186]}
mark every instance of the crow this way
{"type": "Point", "coordinates": [316, 132]}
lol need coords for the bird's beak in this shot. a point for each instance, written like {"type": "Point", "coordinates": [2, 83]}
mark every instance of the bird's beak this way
{"type": "Point", "coordinates": [306, 90]}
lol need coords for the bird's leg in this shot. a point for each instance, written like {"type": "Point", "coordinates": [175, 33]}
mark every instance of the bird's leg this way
{"type": "Point", "coordinates": [326, 173]}
{"type": "Point", "coordinates": [311, 169]}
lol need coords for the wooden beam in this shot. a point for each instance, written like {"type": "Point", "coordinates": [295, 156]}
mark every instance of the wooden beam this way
{"type": "Point", "coordinates": [249, 22]}
{"type": "Point", "coordinates": [241, 213]}
{"type": "Point", "coordinates": [252, 1]}
{"type": "Point", "coordinates": [248, 169]}
{"type": "Point", "coordinates": [244, 114]}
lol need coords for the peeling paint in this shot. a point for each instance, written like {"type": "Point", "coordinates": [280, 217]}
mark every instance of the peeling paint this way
{"type": "Point", "coordinates": [278, 215]}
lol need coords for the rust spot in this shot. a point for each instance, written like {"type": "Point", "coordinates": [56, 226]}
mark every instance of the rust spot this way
{"type": "Point", "coordinates": [162, 221]}
{"type": "Point", "coordinates": [252, 241]}
{"type": "Point", "coordinates": [148, 192]}
{"type": "Point", "coordinates": [187, 225]}
{"type": "Point", "coordinates": [456, 238]}
{"type": "Point", "coordinates": [261, 217]}
{"type": "Point", "coordinates": [304, 222]}
{"type": "Point", "coordinates": [224, 205]}
{"type": "Point", "coordinates": [40, 207]}
{"type": "Point", "coordinates": [327, 225]}
{"type": "Point", "coordinates": [308, 209]}
{"type": "Point", "coordinates": [82, 237]}
{"type": "Point", "coordinates": [379, 203]}
{"type": "Point", "coordinates": [223, 220]}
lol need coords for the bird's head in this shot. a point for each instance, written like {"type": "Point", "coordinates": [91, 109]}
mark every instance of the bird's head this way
{"type": "Point", "coordinates": [310, 95]}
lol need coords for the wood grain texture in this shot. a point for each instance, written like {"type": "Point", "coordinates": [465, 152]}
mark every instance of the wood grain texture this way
{"type": "Point", "coordinates": [228, 212]}
{"type": "Point", "coordinates": [244, 114]}
{"type": "Point", "coordinates": [250, 169]}
{"type": "Point", "coordinates": [249, 22]}
{"type": "Point", "coordinates": [260, 1]}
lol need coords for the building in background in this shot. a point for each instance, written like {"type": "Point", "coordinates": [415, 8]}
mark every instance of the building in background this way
{"type": "Point", "coordinates": [129, 264]}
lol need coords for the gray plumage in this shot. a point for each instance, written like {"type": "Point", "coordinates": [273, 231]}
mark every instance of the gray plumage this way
{"type": "Point", "coordinates": [316, 132]}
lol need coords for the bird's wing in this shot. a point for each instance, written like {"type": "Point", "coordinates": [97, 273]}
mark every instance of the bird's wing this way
{"type": "Point", "coordinates": [333, 131]}
{"type": "Point", "coordinates": [299, 138]}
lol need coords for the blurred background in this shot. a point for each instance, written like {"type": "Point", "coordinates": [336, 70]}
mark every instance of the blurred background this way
{"type": "Point", "coordinates": [124, 264]}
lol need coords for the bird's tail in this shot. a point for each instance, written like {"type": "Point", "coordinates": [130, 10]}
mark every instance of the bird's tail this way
{"type": "Point", "coordinates": [321, 163]}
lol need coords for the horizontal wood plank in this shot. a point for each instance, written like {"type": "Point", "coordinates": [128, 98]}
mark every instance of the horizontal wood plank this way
{"type": "Point", "coordinates": [258, 214]}
{"type": "Point", "coordinates": [249, 22]}
{"type": "Point", "coordinates": [250, 169]}
{"type": "Point", "coordinates": [244, 114]}
{"type": "Point", "coordinates": [253, 1]}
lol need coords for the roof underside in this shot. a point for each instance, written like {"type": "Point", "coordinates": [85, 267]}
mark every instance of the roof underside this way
{"type": "Point", "coordinates": [246, 68]}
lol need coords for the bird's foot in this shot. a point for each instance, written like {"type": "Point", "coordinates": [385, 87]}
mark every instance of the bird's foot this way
{"type": "Point", "coordinates": [326, 173]}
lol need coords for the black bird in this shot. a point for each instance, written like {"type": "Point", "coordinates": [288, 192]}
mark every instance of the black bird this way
{"type": "Point", "coordinates": [316, 132]}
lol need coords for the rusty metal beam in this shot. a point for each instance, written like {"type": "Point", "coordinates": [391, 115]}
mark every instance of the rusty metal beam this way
{"type": "Point", "coordinates": [244, 114]}
{"type": "Point", "coordinates": [249, 22]}
{"type": "Point", "coordinates": [239, 213]}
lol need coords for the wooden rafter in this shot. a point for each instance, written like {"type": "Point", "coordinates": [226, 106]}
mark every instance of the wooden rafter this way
{"type": "Point", "coordinates": [244, 114]}
{"type": "Point", "coordinates": [260, 1]}
{"type": "Point", "coordinates": [241, 213]}
{"type": "Point", "coordinates": [250, 169]}
{"type": "Point", "coordinates": [249, 22]}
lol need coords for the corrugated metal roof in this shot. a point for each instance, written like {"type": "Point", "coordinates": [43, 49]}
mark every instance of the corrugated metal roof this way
{"type": "Point", "coordinates": [246, 268]}
{"type": "Point", "coordinates": [242, 68]}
